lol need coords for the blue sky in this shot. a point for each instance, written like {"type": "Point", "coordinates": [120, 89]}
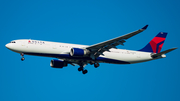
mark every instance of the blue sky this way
{"type": "Point", "coordinates": [89, 22]}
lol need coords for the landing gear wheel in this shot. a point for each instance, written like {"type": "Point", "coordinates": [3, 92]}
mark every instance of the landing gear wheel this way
{"type": "Point", "coordinates": [22, 59]}
{"type": "Point", "coordinates": [80, 69]}
{"type": "Point", "coordinates": [84, 71]}
{"type": "Point", "coordinates": [96, 65]}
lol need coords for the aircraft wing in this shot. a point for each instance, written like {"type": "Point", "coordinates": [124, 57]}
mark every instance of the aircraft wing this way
{"type": "Point", "coordinates": [99, 48]}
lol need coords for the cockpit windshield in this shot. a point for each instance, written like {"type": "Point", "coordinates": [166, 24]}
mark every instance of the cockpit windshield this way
{"type": "Point", "coordinates": [12, 42]}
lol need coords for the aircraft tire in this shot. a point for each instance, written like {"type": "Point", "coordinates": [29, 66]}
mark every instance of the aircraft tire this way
{"type": "Point", "coordinates": [96, 65]}
{"type": "Point", "coordinates": [84, 71]}
{"type": "Point", "coordinates": [79, 69]}
{"type": "Point", "coordinates": [22, 59]}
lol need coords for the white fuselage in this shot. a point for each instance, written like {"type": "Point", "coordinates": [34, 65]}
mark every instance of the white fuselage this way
{"type": "Point", "coordinates": [61, 51]}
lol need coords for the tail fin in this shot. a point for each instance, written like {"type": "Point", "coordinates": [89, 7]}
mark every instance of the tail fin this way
{"type": "Point", "coordinates": [156, 43]}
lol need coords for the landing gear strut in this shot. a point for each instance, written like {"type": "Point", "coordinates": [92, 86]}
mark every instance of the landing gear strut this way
{"type": "Point", "coordinates": [22, 55]}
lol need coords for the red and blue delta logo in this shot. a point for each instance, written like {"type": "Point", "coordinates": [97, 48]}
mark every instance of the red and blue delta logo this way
{"type": "Point", "coordinates": [155, 45]}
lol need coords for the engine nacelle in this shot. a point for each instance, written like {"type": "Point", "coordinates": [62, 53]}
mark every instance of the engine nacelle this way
{"type": "Point", "coordinates": [78, 52]}
{"type": "Point", "coordinates": [58, 63]}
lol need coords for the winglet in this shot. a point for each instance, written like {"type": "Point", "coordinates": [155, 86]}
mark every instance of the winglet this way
{"type": "Point", "coordinates": [145, 27]}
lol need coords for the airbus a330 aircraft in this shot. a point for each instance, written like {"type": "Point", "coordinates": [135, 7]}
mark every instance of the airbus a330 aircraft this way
{"type": "Point", "coordinates": [104, 52]}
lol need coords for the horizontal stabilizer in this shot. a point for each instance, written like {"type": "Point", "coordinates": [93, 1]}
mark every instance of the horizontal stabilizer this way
{"type": "Point", "coordinates": [164, 52]}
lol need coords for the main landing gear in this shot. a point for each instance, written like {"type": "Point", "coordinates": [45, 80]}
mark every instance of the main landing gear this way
{"type": "Point", "coordinates": [82, 65]}
{"type": "Point", "coordinates": [81, 68]}
{"type": "Point", "coordinates": [22, 55]}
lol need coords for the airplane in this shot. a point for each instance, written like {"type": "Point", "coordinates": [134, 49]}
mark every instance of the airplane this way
{"type": "Point", "coordinates": [82, 55]}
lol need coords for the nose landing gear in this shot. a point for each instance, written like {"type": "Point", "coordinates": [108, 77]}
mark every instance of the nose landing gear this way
{"type": "Point", "coordinates": [22, 55]}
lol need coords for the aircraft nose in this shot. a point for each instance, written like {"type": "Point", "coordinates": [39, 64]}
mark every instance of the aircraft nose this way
{"type": "Point", "coordinates": [7, 45]}
{"type": "Point", "coordinates": [11, 46]}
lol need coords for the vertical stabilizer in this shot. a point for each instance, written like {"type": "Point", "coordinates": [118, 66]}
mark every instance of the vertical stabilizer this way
{"type": "Point", "coordinates": [155, 45]}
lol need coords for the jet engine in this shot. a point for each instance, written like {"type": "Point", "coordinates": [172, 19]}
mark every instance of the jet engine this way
{"type": "Point", "coordinates": [78, 52]}
{"type": "Point", "coordinates": [58, 63]}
